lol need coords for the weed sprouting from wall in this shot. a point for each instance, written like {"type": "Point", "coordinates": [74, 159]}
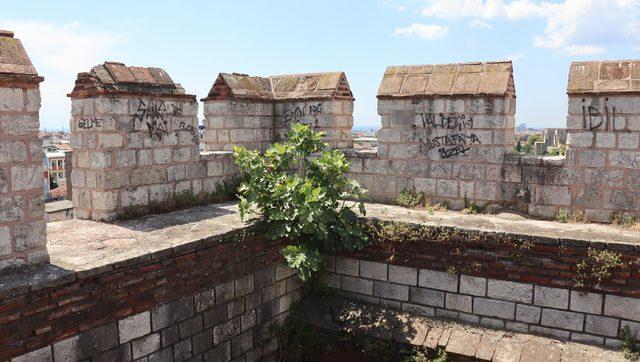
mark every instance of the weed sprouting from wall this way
{"type": "Point", "coordinates": [597, 267]}
{"type": "Point", "coordinates": [224, 191]}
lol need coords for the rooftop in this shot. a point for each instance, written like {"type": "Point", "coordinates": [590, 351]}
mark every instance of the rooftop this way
{"type": "Point", "coordinates": [116, 77]}
{"type": "Point", "coordinates": [280, 87]}
{"type": "Point", "coordinates": [14, 60]}
{"type": "Point", "coordinates": [487, 78]}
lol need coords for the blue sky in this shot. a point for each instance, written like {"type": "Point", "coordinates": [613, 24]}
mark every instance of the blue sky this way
{"type": "Point", "coordinates": [195, 40]}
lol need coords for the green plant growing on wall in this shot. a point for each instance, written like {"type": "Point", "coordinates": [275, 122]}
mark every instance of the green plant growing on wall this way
{"type": "Point", "coordinates": [629, 344]}
{"type": "Point", "coordinates": [598, 266]}
{"type": "Point", "coordinates": [302, 198]}
{"type": "Point", "coordinates": [410, 199]}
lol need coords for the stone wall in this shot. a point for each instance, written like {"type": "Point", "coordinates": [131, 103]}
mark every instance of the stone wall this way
{"type": "Point", "coordinates": [218, 299]}
{"type": "Point", "coordinates": [136, 144]}
{"type": "Point", "coordinates": [23, 233]}
{"type": "Point", "coordinates": [517, 282]}
{"type": "Point", "coordinates": [594, 318]}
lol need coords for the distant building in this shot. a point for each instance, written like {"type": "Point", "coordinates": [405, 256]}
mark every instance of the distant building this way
{"type": "Point", "coordinates": [522, 127]}
{"type": "Point", "coordinates": [54, 162]}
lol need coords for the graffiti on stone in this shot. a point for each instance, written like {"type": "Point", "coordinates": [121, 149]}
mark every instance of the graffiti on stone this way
{"type": "Point", "coordinates": [594, 118]}
{"type": "Point", "coordinates": [195, 137]}
{"type": "Point", "coordinates": [89, 123]}
{"type": "Point", "coordinates": [455, 141]}
{"type": "Point", "coordinates": [306, 115]}
{"type": "Point", "coordinates": [152, 113]}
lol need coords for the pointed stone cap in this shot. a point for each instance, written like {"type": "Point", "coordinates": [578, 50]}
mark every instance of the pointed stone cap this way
{"type": "Point", "coordinates": [310, 86]}
{"type": "Point", "coordinates": [117, 78]}
{"type": "Point", "coordinates": [608, 76]}
{"type": "Point", "coordinates": [465, 79]}
{"type": "Point", "coordinates": [15, 64]}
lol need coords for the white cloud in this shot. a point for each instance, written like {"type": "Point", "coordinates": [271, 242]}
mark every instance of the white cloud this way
{"type": "Point", "coordinates": [514, 57]}
{"type": "Point", "coordinates": [423, 31]}
{"type": "Point", "coordinates": [66, 48]}
{"type": "Point", "coordinates": [392, 4]}
{"type": "Point", "coordinates": [574, 27]}
{"type": "Point", "coordinates": [477, 23]}
{"type": "Point", "coordinates": [59, 52]}
{"type": "Point", "coordinates": [583, 50]}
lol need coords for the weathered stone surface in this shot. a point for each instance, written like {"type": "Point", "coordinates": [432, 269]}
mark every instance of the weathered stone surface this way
{"type": "Point", "coordinates": [623, 307]}
{"type": "Point", "coordinates": [511, 291]}
{"type": "Point", "coordinates": [560, 319]}
{"type": "Point", "coordinates": [438, 280]}
{"type": "Point", "coordinates": [493, 308]}
{"type": "Point", "coordinates": [135, 326]}
{"type": "Point", "coordinates": [551, 297]}
{"type": "Point", "coordinates": [428, 297]}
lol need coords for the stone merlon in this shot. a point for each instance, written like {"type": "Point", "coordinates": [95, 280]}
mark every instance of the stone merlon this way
{"type": "Point", "coordinates": [117, 78]}
{"type": "Point", "coordinates": [410, 81]}
{"type": "Point", "coordinates": [311, 86]}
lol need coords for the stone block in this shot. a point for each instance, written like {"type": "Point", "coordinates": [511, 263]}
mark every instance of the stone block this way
{"type": "Point", "coordinates": [473, 285]}
{"type": "Point", "coordinates": [357, 285]}
{"type": "Point", "coordinates": [30, 235]}
{"type": "Point", "coordinates": [462, 303]}
{"type": "Point", "coordinates": [26, 177]}
{"type": "Point", "coordinates": [391, 291]}
{"type": "Point", "coordinates": [528, 314]}
{"type": "Point", "coordinates": [373, 270]}
{"type": "Point", "coordinates": [241, 344]}
{"type": "Point", "coordinates": [624, 159]}
{"type": "Point", "coordinates": [592, 158]}
{"type": "Point", "coordinates": [601, 325]}
{"type": "Point", "coordinates": [43, 354]}
{"type": "Point", "coordinates": [494, 308]}
{"type": "Point", "coordinates": [428, 297]}
{"type": "Point", "coordinates": [438, 280]}
{"type": "Point", "coordinates": [554, 195]}
{"type": "Point", "coordinates": [347, 266]}
{"type": "Point", "coordinates": [447, 188]}
{"type": "Point", "coordinates": [134, 327]}
{"type": "Point", "coordinates": [19, 125]}
{"type": "Point", "coordinates": [11, 99]}
{"type": "Point", "coordinates": [226, 331]}
{"type": "Point", "coordinates": [580, 139]}
{"type": "Point", "coordinates": [145, 345]}
{"type": "Point", "coordinates": [220, 353]}
{"type": "Point", "coordinates": [403, 275]}
{"type": "Point", "coordinates": [628, 140]}
{"type": "Point", "coordinates": [511, 291]}
{"type": "Point", "coordinates": [561, 319]}
{"type": "Point", "coordinates": [622, 307]}
{"type": "Point", "coordinates": [586, 302]}
{"type": "Point", "coordinates": [12, 151]}
{"type": "Point", "coordinates": [11, 208]}
{"type": "Point", "coordinates": [551, 297]}
{"type": "Point", "coordinates": [106, 106]}
{"type": "Point", "coordinates": [605, 139]}
{"type": "Point", "coordinates": [171, 313]}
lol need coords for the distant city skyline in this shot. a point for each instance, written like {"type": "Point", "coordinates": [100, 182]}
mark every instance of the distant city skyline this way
{"type": "Point", "coordinates": [197, 40]}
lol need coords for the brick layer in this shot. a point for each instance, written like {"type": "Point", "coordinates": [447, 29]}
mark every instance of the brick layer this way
{"type": "Point", "coordinates": [38, 318]}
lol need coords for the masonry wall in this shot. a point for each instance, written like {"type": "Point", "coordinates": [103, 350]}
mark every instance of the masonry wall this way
{"type": "Point", "coordinates": [216, 299]}
{"type": "Point", "coordinates": [334, 117]}
{"type": "Point", "coordinates": [242, 123]}
{"type": "Point", "coordinates": [134, 150]}
{"type": "Point", "coordinates": [23, 234]}
{"type": "Point", "coordinates": [256, 124]}
{"type": "Point", "coordinates": [447, 148]}
{"type": "Point", "coordinates": [500, 285]}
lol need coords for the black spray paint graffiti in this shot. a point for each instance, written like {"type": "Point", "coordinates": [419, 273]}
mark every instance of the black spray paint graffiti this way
{"type": "Point", "coordinates": [592, 118]}
{"type": "Point", "coordinates": [89, 123]}
{"type": "Point", "coordinates": [195, 137]}
{"type": "Point", "coordinates": [153, 116]}
{"type": "Point", "coordinates": [299, 115]}
{"type": "Point", "coordinates": [448, 145]}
